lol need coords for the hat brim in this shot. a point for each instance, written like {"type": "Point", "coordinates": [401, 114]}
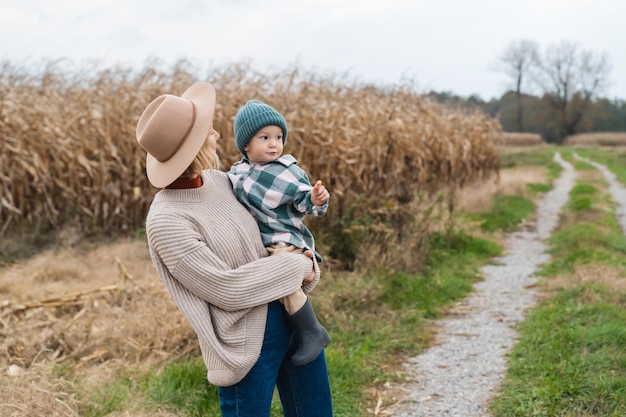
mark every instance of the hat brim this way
{"type": "Point", "coordinates": [161, 174]}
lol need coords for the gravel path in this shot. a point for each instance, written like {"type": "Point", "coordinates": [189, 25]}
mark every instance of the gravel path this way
{"type": "Point", "coordinates": [458, 376]}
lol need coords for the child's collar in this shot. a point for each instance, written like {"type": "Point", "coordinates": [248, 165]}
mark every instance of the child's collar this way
{"type": "Point", "coordinates": [285, 160]}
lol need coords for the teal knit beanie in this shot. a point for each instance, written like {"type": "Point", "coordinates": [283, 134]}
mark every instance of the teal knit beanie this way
{"type": "Point", "coordinates": [251, 118]}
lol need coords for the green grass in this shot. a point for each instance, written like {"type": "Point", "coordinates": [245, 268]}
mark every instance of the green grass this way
{"type": "Point", "coordinates": [614, 160]}
{"type": "Point", "coordinates": [589, 232]}
{"type": "Point", "coordinates": [180, 386]}
{"type": "Point", "coordinates": [570, 360]}
{"type": "Point", "coordinates": [445, 279]}
{"type": "Point", "coordinates": [581, 197]}
{"type": "Point", "coordinates": [530, 156]}
{"type": "Point", "coordinates": [537, 188]}
{"type": "Point", "coordinates": [594, 237]}
{"type": "Point", "coordinates": [108, 398]}
{"type": "Point", "coordinates": [507, 213]}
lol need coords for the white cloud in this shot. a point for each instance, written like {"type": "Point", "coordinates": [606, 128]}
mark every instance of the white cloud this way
{"type": "Point", "coordinates": [445, 45]}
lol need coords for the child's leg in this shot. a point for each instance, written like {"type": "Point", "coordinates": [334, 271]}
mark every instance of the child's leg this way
{"type": "Point", "coordinates": [294, 302]}
{"type": "Point", "coordinates": [312, 336]}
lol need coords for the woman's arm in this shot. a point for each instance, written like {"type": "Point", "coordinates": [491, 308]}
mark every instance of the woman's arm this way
{"type": "Point", "coordinates": [258, 282]}
{"type": "Point", "coordinates": [186, 258]}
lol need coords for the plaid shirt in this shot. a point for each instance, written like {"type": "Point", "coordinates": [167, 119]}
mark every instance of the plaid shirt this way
{"type": "Point", "coordinates": [278, 194]}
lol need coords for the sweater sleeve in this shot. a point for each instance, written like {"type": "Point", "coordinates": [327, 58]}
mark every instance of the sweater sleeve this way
{"type": "Point", "coordinates": [207, 242]}
{"type": "Point", "coordinates": [257, 282]}
{"type": "Point", "coordinates": [188, 260]}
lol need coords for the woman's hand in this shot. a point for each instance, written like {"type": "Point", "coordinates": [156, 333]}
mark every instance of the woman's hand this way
{"type": "Point", "coordinates": [311, 276]}
{"type": "Point", "coordinates": [309, 279]}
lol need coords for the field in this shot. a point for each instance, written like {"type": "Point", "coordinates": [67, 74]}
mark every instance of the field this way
{"type": "Point", "coordinates": [522, 139]}
{"type": "Point", "coordinates": [80, 314]}
{"type": "Point", "coordinates": [68, 151]}
{"type": "Point", "coordinates": [422, 195]}
{"type": "Point", "coordinates": [73, 179]}
{"type": "Point", "coordinates": [617, 139]}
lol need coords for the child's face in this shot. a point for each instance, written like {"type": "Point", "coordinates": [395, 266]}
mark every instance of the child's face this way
{"type": "Point", "coordinates": [266, 145]}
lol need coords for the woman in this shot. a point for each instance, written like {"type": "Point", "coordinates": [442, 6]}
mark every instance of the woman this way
{"type": "Point", "coordinates": [207, 249]}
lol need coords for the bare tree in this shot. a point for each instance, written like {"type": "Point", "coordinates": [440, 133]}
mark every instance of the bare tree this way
{"type": "Point", "coordinates": [518, 60]}
{"type": "Point", "coordinates": [570, 78]}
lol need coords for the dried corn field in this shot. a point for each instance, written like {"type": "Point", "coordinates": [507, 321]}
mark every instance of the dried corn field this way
{"type": "Point", "coordinates": [522, 139]}
{"type": "Point", "coordinates": [68, 152]}
{"type": "Point", "coordinates": [597, 139]}
{"type": "Point", "coordinates": [92, 312]}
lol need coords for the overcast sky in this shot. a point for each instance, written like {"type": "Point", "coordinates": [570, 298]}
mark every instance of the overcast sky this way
{"type": "Point", "coordinates": [442, 45]}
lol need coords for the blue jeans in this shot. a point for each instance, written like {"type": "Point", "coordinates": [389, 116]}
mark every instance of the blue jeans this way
{"type": "Point", "coordinates": [304, 390]}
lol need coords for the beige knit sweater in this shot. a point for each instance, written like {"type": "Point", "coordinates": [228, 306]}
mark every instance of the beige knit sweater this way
{"type": "Point", "coordinates": [207, 250]}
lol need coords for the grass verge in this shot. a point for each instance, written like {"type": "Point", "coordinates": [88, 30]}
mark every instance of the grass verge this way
{"type": "Point", "coordinates": [570, 360]}
{"type": "Point", "coordinates": [614, 160]}
{"type": "Point", "coordinates": [571, 357]}
{"type": "Point", "coordinates": [507, 213]}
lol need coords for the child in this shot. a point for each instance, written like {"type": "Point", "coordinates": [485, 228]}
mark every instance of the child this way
{"type": "Point", "coordinates": [278, 193]}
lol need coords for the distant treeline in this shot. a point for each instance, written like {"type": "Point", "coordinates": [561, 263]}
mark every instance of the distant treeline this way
{"type": "Point", "coordinates": [603, 115]}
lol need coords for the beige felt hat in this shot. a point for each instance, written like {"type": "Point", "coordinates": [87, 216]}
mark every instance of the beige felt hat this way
{"type": "Point", "coordinates": [172, 130]}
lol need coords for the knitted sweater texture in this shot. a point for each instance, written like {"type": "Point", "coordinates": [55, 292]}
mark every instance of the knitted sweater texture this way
{"type": "Point", "coordinates": [208, 252]}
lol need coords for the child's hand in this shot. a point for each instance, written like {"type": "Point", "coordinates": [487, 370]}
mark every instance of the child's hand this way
{"type": "Point", "coordinates": [319, 194]}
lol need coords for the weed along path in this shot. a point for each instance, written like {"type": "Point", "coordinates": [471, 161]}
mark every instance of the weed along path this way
{"type": "Point", "coordinates": [459, 375]}
{"type": "Point", "coordinates": [617, 190]}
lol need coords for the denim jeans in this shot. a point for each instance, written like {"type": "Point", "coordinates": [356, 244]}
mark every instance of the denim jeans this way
{"type": "Point", "coordinates": [304, 390]}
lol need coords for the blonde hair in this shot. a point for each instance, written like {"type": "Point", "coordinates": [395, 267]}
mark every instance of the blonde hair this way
{"type": "Point", "coordinates": [205, 159]}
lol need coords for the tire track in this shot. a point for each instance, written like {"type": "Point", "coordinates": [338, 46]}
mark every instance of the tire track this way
{"type": "Point", "coordinates": [459, 375]}
{"type": "Point", "coordinates": [616, 189]}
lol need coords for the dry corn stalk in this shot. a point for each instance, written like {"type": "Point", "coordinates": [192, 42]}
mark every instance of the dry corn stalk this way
{"type": "Point", "coordinates": [57, 301]}
{"type": "Point", "coordinates": [521, 139]}
{"type": "Point", "coordinates": [68, 150]}
{"type": "Point", "coordinates": [598, 138]}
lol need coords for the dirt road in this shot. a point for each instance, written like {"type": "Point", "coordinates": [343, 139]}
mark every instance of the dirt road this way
{"type": "Point", "coordinates": [460, 374]}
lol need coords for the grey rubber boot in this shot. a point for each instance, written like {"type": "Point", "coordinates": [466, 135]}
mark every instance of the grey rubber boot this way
{"type": "Point", "coordinates": [312, 336]}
